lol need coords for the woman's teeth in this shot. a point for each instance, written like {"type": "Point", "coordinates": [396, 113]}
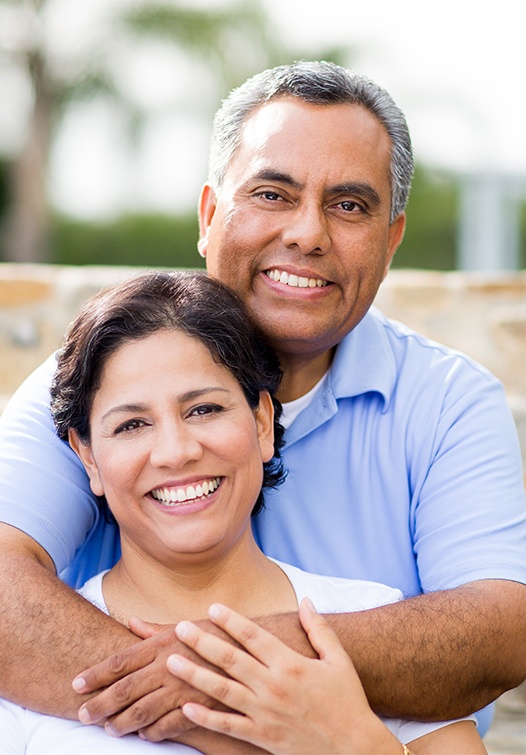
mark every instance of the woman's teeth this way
{"type": "Point", "coordinates": [173, 496]}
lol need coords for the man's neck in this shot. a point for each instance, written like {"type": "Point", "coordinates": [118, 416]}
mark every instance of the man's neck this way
{"type": "Point", "coordinates": [300, 374]}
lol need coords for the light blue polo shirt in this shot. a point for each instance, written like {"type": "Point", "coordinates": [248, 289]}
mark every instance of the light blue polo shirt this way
{"type": "Point", "coordinates": [405, 469]}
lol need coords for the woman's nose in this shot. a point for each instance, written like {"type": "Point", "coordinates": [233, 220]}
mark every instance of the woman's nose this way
{"type": "Point", "coordinates": [175, 445]}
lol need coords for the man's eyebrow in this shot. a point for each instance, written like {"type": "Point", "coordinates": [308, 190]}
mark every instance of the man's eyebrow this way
{"type": "Point", "coordinates": [268, 174]}
{"type": "Point", "coordinates": [359, 189]}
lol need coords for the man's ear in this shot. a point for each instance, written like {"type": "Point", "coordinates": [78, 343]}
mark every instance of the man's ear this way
{"type": "Point", "coordinates": [265, 426]}
{"type": "Point", "coordinates": [394, 238]}
{"type": "Point", "coordinates": [207, 207]}
{"type": "Point", "coordinates": [84, 452]}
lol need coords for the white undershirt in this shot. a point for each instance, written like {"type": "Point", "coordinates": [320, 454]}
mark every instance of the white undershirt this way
{"type": "Point", "coordinates": [291, 409]}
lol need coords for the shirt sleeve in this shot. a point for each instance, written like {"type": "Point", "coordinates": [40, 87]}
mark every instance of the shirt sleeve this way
{"type": "Point", "coordinates": [44, 490]}
{"type": "Point", "coordinates": [468, 503]}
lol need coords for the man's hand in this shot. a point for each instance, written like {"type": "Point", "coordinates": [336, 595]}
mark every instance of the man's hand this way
{"type": "Point", "coordinates": [135, 689]}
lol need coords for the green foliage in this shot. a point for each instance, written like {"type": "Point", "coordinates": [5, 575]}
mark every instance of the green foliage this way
{"type": "Point", "coordinates": [144, 240]}
{"type": "Point", "coordinates": [430, 240]}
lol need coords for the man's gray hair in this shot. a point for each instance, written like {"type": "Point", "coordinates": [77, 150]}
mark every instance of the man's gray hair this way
{"type": "Point", "coordinates": [316, 82]}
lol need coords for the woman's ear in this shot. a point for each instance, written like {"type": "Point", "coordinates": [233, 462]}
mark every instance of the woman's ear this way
{"type": "Point", "coordinates": [265, 426]}
{"type": "Point", "coordinates": [84, 452]}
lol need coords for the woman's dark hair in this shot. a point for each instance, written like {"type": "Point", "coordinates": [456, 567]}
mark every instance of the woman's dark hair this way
{"type": "Point", "coordinates": [192, 303]}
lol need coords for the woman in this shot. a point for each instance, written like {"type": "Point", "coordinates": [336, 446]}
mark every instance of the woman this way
{"type": "Point", "coordinates": [165, 391]}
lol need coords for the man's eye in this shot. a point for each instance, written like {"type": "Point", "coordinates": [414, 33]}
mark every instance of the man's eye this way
{"type": "Point", "coordinates": [129, 425]}
{"type": "Point", "coordinates": [350, 206]}
{"type": "Point", "coordinates": [272, 196]}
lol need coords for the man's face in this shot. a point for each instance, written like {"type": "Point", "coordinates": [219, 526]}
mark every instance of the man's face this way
{"type": "Point", "coordinates": [300, 228]}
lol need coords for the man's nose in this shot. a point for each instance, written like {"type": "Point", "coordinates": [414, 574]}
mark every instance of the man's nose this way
{"type": "Point", "coordinates": [307, 230]}
{"type": "Point", "coordinates": [174, 445]}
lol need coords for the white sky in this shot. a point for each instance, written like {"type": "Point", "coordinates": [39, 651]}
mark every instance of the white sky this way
{"type": "Point", "coordinates": [456, 67]}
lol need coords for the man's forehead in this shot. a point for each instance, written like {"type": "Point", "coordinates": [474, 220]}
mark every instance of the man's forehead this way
{"type": "Point", "coordinates": [281, 112]}
{"type": "Point", "coordinates": [286, 128]}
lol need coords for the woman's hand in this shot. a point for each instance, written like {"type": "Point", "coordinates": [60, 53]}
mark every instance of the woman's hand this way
{"type": "Point", "coordinates": [280, 700]}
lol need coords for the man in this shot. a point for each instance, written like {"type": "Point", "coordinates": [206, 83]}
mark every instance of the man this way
{"type": "Point", "coordinates": [403, 459]}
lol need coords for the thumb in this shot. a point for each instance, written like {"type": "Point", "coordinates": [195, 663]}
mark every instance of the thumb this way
{"type": "Point", "coordinates": [144, 629]}
{"type": "Point", "coordinates": [321, 636]}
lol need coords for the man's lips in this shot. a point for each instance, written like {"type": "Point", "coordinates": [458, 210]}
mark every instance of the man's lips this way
{"type": "Point", "coordinates": [293, 280]}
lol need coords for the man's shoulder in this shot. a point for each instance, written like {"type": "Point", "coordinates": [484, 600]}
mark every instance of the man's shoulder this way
{"type": "Point", "coordinates": [382, 356]}
{"type": "Point", "coordinates": [409, 346]}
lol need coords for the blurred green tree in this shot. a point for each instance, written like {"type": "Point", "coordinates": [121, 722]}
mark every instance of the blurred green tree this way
{"type": "Point", "coordinates": [234, 40]}
{"type": "Point", "coordinates": [430, 240]}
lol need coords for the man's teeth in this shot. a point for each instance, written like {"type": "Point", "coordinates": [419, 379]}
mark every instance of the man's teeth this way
{"type": "Point", "coordinates": [296, 281]}
{"type": "Point", "coordinates": [173, 496]}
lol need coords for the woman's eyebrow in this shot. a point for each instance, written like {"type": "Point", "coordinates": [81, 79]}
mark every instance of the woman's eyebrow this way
{"type": "Point", "coordinates": [183, 397]}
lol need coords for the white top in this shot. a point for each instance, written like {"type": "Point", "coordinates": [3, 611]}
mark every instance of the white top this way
{"type": "Point", "coordinates": [291, 409]}
{"type": "Point", "coordinates": [23, 732]}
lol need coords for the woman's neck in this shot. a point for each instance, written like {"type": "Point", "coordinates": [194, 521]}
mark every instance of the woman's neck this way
{"type": "Point", "coordinates": [245, 579]}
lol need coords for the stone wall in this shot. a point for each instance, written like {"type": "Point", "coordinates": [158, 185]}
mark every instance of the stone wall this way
{"type": "Point", "coordinates": [482, 315]}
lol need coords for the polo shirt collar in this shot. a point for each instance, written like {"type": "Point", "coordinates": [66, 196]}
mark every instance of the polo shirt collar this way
{"type": "Point", "coordinates": [364, 361]}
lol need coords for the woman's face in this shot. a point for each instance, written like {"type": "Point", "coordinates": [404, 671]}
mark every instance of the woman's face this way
{"type": "Point", "coordinates": [175, 447]}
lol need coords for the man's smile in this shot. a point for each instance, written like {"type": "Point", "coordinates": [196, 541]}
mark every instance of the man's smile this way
{"type": "Point", "coordinates": [296, 281]}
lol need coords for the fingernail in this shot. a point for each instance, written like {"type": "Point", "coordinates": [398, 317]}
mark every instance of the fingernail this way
{"type": "Point", "coordinates": [109, 731]}
{"type": "Point", "coordinates": [78, 684]}
{"type": "Point", "coordinates": [182, 629]}
{"type": "Point", "coordinates": [175, 662]}
{"type": "Point", "coordinates": [214, 611]}
{"type": "Point", "coordinates": [84, 716]}
{"type": "Point", "coordinates": [310, 605]}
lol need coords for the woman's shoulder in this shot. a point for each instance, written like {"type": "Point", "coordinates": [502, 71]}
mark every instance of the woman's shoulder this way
{"type": "Point", "coordinates": [338, 594]}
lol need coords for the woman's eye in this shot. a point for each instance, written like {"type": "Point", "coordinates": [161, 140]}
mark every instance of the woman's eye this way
{"type": "Point", "coordinates": [129, 425]}
{"type": "Point", "coordinates": [205, 409]}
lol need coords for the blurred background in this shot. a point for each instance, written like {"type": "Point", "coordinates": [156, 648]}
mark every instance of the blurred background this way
{"type": "Point", "coordinates": [106, 107]}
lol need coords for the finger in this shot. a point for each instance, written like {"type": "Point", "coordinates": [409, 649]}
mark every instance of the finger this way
{"type": "Point", "coordinates": [113, 668]}
{"type": "Point", "coordinates": [218, 652]}
{"type": "Point", "coordinates": [230, 693]}
{"type": "Point", "coordinates": [144, 629]}
{"type": "Point", "coordinates": [321, 636]}
{"type": "Point", "coordinates": [117, 697]}
{"type": "Point", "coordinates": [171, 726]}
{"type": "Point", "coordinates": [231, 724]}
{"type": "Point", "coordinates": [262, 645]}
{"type": "Point", "coordinates": [145, 712]}
{"type": "Point", "coordinates": [123, 663]}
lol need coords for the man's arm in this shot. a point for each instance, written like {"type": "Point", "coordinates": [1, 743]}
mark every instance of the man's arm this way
{"type": "Point", "coordinates": [463, 647]}
{"type": "Point", "coordinates": [47, 631]}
